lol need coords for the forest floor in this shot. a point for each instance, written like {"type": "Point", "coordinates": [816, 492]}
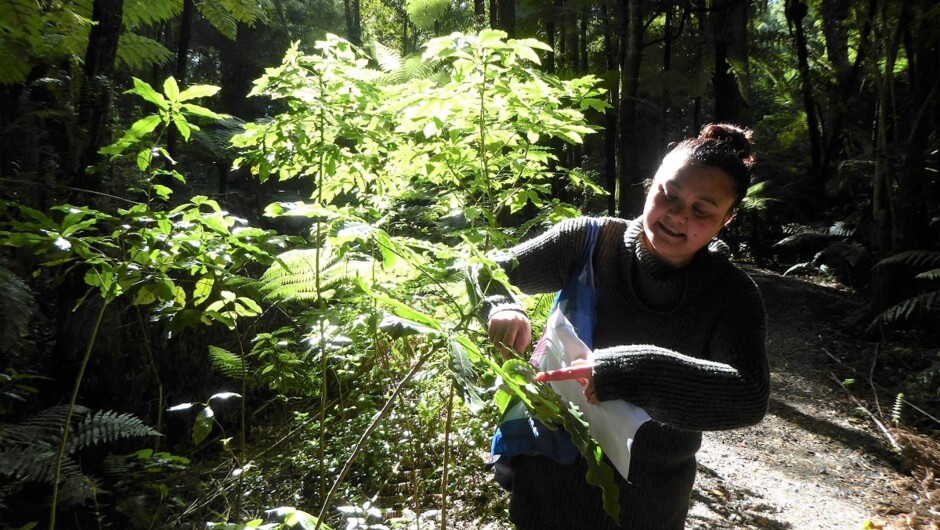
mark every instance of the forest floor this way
{"type": "Point", "coordinates": [817, 461]}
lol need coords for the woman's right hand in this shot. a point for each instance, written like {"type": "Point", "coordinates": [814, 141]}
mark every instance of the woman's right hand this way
{"type": "Point", "coordinates": [510, 331]}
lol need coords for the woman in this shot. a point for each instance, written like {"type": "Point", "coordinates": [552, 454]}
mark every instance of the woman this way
{"type": "Point", "coordinates": [679, 332]}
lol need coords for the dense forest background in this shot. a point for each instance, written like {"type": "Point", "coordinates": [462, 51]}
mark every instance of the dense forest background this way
{"type": "Point", "coordinates": [236, 232]}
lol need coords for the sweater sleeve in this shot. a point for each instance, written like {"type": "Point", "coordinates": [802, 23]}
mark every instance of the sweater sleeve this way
{"type": "Point", "coordinates": [539, 265]}
{"type": "Point", "coordinates": [729, 390]}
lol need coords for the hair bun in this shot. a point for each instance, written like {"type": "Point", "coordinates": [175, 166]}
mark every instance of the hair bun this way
{"type": "Point", "coordinates": [738, 138]}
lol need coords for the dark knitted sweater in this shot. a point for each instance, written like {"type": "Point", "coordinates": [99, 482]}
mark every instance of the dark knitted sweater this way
{"type": "Point", "coordinates": [685, 344]}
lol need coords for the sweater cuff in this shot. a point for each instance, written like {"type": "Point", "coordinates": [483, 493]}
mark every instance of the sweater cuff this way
{"type": "Point", "coordinates": [506, 306]}
{"type": "Point", "coordinates": [610, 369]}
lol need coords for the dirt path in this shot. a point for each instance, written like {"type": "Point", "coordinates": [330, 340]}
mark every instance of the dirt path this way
{"type": "Point", "coordinates": [814, 462]}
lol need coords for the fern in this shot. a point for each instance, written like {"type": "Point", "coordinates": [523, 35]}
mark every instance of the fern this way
{"type": "Point", "coordinates": [28, 450]}
{"type": "Point", "coordinates": [219, 18]}
{"type": "Point", "coordinates": [294, 276]}
{"type": "Point", "coordinates": [149, 12]}
{"type": "Point", "coordinates": [104, 427]}
{"type": "Point", "coordinates": [21, 23]}
{"type": "Point", "coordinates": [424, 13]}
{"type": "Point", "coordinates": [224, 15]}
{"type": "Point", "coordinates": [914, 258]}
{"type": "Point", "coordinates": [920, 306]}
{"type": "Point", "coordinates": [138, 52]}
{"type": "Point", "coordinates": [227, 363]}
{"type": "Point", "coordinates": [933, 274]}
{"type": "Point", "coordinates": [16, 312]}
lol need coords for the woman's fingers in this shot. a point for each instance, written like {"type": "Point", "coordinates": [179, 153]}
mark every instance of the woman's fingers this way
{"type": "Point", "coordinates": [510, 331]}
{"type": "Point", "coordinates": [572, 372]}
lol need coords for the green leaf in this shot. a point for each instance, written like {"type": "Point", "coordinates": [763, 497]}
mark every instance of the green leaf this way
{"type": "Point", "coordinates": [202, 112]}
{"type": "Point", "coordinates": [147, 92]}
{"type": "Point", "coordinates": [463, 358]}
{"type": "Point", "coordinates": [182, 126]}
{"type": "Point", "coordinates": [198, 91]}
{"type": "Point", "coordinates": [171, 89]}
{"type": "Point", "coordinates": [400, 309]}
{"type": "Point", "coordinates": [203, 425]}
{"type": "Point", "coordinates": [203, 289]}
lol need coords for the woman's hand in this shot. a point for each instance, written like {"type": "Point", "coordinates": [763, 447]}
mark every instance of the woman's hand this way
{"type": "Point", "coordinates": [510, 330]}
{"type": "Point", "coordinates": [581, 370]}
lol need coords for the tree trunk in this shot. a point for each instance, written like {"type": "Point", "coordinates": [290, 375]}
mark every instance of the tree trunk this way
{"type": "Point", "coordinates": [353, 21]}
{"type": "Point", "coordinates": [923, 63]}
{"type": "Point", "coordinates": [841, 90]}
{"type": "Point", "coordinates": [182, 63]}
{"type": "Point", "coordinates": [503, 16]}
{"type": "Point", "coordinates": [479, 11]}
{"type": "Point", "coordinates": [610, 116]}
{"type": "Point", "coordinates": [95, 95]}
{"type": "Point", "coordinates": [630, 182]}
{"type": "Point", "coordinates": [796, 11]}
{"type": "Point", "coordinates": [729, 24]}
{"type": "Point", "coordinates": [551, 31]}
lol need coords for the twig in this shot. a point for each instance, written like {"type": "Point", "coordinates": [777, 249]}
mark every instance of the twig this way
{"type": "Point", "coordinates": [871, 378]}
{"type": "Point", "coordinates": [858, 403]}
{"type": "Point", "coordinates": [368, 432]}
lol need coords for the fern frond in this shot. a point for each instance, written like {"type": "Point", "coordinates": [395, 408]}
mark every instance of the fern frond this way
{"type": "Point", "coordinates": [227, 363]}
{"type": "Point", "coordinates": [389, 60]}
{"type": "Point", "coordinates": [933, 274]}
{"type": "Point", "coordinates": [918, 306]}
{"type": "Point", "coordinates": [138, 52]}
{"type": "Point", "coordinates": [21, 21]}
{"type": "Point", "coordinates": [219, 17]}
{"type": "Point", "coordinates": [914, 258]}
{"type": "Point", "coordinates": [16, 312]}
{"type": "Point", "coordinates": [107, 427]}
{"type": "Point", "coordinates": [148, 12]}
{"type": "Point", "coordinates": [294, 276]}
{"type": "Point", "coordinates": [424, 13]}
{"type": "Point", "coordinates": [215, 140]}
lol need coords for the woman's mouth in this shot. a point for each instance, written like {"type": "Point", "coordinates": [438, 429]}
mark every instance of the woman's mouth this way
{"type": "Point", "coordinates": [669, 231]}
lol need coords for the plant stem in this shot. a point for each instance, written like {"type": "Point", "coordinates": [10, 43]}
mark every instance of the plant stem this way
{"type": "Point", "coordinates": [368, 432]}
{"type": "Point", "coordinates": [57, 471]}
{"type": "Point", "coordinates": [447, 429]}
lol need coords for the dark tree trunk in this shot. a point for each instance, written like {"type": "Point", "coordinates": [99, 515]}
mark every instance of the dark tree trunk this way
{"type": "Point", "coordinates": [796, 11]}
{"type": "Point", "coordinates": [551, 30]}
{"type": "Point", "coordinates": [842, 89]}
{"type": "Point", "coordinates": [479, 11]}
{"type": "Point", "coordinates": [182, 63]}
{"type": "Point", "coordinates": [96, 88]}
{"type": "Point", "coordinates": [353, 21]}
{"type": "Point", "coordinates": [922, 109]}
{"type": "Point", "coordinates": [610, 116]}
{"type": "Point", "coordinates": [729, 24]}
{"type": "Point", "coordinates": [503, 16]}
{"type": "Point", "coordinates": [631, 183]}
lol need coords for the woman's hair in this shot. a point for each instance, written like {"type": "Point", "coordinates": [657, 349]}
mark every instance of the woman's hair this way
{"type": "Point", "coordinates": [726, 147]}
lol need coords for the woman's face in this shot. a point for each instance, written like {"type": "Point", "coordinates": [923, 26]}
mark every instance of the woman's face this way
{"type": "Point", "coordinates": [687, 205]}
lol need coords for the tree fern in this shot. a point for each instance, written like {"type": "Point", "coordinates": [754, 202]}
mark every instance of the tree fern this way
{"type": "Point", "coordinates": [914, 258]}
{"type": "Point", "coordinates": [921, 306]}
{"type": "Point", "coordinates": [138, 52]}
{"type": "Point", "coordinates": [16, 312]}
{"type": "Point", "coordinates": [224, 15]}
{"type": "Point", "coordinates": [21, 23]}
{"type": "Point", "coordinates": [148, 12]}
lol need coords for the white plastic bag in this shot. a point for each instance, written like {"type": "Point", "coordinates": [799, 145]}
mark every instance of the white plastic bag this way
{"type": "Point", "coordinates": [613, 423]}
